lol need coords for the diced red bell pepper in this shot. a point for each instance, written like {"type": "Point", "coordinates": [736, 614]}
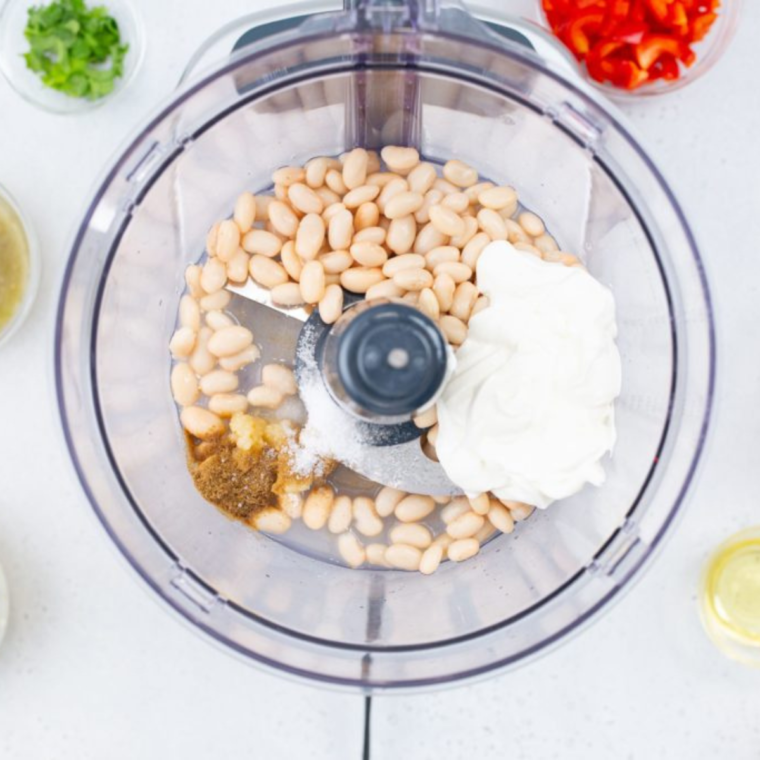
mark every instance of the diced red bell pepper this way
{"type": "Point", "coordinates": [665, 67]}
{"type": "Point", "coordinates": [578, 31]}
{"type": "Point", "coordinates": [631, 42]}
{"type": "Point", "coordinates": [701, 25]}
{"type": "Point", "coordinates": [628, 75]}
{"type": "Point", "coordinates": [632, 33]}
{"type": "Point", "coordinates": [659, 9]}
{"type": "Point", "coordinates": [655, 45]}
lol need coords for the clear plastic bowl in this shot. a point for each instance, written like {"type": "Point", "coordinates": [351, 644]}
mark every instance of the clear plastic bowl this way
{"type": "Point", "coordinates": [708, 51]}
{"type": "Point", "coordinates": [372, 76]}
{"type": "Point", "coordinates": [32, 273]}
{"type": "Point", "coordinates": [13, 45]}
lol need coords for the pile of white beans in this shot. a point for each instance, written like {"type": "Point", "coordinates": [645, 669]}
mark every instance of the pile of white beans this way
{"type": "Point", "coordinates": [345, 224]}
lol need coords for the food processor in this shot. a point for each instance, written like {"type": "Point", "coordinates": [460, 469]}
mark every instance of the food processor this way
{"type": "Point", "coordinates": [500, 97]}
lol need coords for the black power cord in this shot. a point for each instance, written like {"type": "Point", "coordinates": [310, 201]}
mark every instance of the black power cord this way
{"type": "Point", "coordinates": [367, 720]}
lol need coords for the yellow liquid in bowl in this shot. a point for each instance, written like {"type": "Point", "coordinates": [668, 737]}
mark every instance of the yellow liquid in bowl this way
{"type": "Point", "coordinates": [14, 263]}
{"type": "Point", "coordinates": [731, 596]}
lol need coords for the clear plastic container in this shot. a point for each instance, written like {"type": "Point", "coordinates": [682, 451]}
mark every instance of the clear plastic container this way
{"type": "Point", "coordinates": [434, 77]}
{"type": "Point", "coordinates": [32, 279]}
{"type": "Point", "coordinates": [13, 45]}
{"type": "Point", "coordinates": [708, 52]}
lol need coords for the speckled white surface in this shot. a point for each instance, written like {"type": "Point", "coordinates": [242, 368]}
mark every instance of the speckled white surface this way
{"type": "Point", "coordinates": [92, 668]}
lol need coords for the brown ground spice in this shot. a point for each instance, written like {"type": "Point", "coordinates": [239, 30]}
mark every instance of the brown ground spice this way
{"type": "Point", "coordinates": [237, 482]}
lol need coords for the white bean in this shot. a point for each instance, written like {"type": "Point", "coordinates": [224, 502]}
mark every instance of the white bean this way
{"type": "Point", "coordinates": [470, 230]}
{"type": "Point", "coordinates": [431, 559]}
{"type": "Point", "coordinates": [480, 504]}
{"type": "Point", "coordinates": [376, 554]}
{"type": "Point", "coordinates": [413, 534]}
{"type": "Point", "coordinates": [219, 381]}
{"type": "Point", "coordinates": [497, 198]}
{"type": "Point", "coordinates": [403, 204]}
{"type": "Point", "coordinates": [272, 520]}
{"type": "Point", "coordinates": [184, 385]}
{"type": "Point", "coordinates": [500, 517]}
{"type": "Point", "coordinates": [331, 305]}
{"type": "Point", "coordinates": [519, 510]}
{"type": "Point", "coordinates": [304, 199]}
{"type": "Point", "coordinates": [216, 320]}
{"type": "Point", "coordinates": [291, 504]}
{"type": "Point", "coordinates": [201, 422]}
{"type": "Point", "coordinates": [421, 178]}
{"type": "Point", "coordinates": [227, 404]}
{"type": "Point", "coordinates": [361, 279]}
{"type": "Point", "coordinates": [334, 181]}
{"type": "Point", "coordinates": [287, 175]}
{"type": "Point", "coordinates": [466, 525]}
{"type": "Point", "coordinates": [182, 342]}
{"type": "Point", "coordinates": [193, 281]}
{"type": "Point", "coordinates": [316, 169]}
{"type": "Point", "coordinates": [413, 279]}
{"type": "Point", "coordinates": [288, 294]}
{"type": "Point", "coordinates": [432, 198]}
{"type": "Point", "coordinates": [238, 361]}
{"type": "Point", "coordinates": [457, 507]}
{"type": "Point", "coordinates": [459, 173]}
{"type": "Point", "coordinates": [444, 288]}
{"type": "Point", "coordinates": [401, 234]}
{"type": "Point", "coordinates": [264, 397]}
{"type": "Point", "coordinates": [355, 168]}
{"type": "Point", "coordinates": [429, 237]}
{"type": "Point", "coordinates": [426, 419]}
{"type": "Point", "coordinates": [446, 221]}
{"type": "Point", "coordinates": [189, 313]}
{"type": "Point", "coordinates": [400, 160]}
{"type": "Point", "coordinates": [387, 500]}
{"type": "Point", "coordinates": [384, 289]}
{"type": "Point", "coordinates": [312, 282]}
{"type": "Point", "coordinates": [227, 240]}
{"type": "Point", "coordinates": [216, 301]}
{"type": "Point", "coordinates": [473, 248]}
{"type": "Point", "coordinates": [359, 195]}
{"type": "Point", "coordinates": [351, 550]}
{"type": "Point", "coordinates": [403, 557]}
{"type": "Point", "coordinates": [366, 519]}
{"type": "Point", "coordinates": [463, 549]}
{"type": "Point", "coordinates": [531, 223]}
{"type": "Point", "coordinates": [213, 276]}
{"type": "Point", "coordinates": [283, 218]}
{"type": "Point", "coordinates": [316, 508]}
{"type": "Point", "coordinates": [262, 241]}
{"type": "Point", "coordinates": [310, 236]}
{"type": "Point", "coordinates": [454, 329]}
{"type": "Point", "coordinates": [414, 507]}
{"type": "Point", "coordinates": [465, 297]}
{"type": "Point", "coordinates": [291, 261]}
{"type": "Point", "coordinates": [368, 254]}
{"type": "Point", "coordinates": [237, 267]}
{"type": "Point", "coordinates": [202, 360]}
{"type": "Point", "coordinates": [367, 215]}
{"type": "Point", "coordinates": [458, 271]}
{"type": "Point", "coordinates": [281, 378]}
{"type": "Point", "coordinates": [492, 224]}
{"type": "Point", "coordinates": [230, 340]}
{"type": "Point", "coordinates": [341, 515]}
{"type": "Point", "coordinates": [341, 230]}
{"type": "Point", "coordinates": [440, 255]}
{"type": "Point", "coordinates": [428, 304]}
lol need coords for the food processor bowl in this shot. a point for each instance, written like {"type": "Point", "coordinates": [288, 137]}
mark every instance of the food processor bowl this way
{"type": "Point", "coordinates": [433, 77]}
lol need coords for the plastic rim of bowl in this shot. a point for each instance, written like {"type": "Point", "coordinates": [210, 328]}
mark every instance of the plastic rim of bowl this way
{"type": "Point", "coordinates": [709, 51]}
{"type": "Point", "coordinates": [28, 84]}
{"type": "Point", "coordinates": [33, 274]}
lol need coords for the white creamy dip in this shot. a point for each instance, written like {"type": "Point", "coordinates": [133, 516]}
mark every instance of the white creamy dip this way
{"type": "Point", "coordinates": [528, 413]}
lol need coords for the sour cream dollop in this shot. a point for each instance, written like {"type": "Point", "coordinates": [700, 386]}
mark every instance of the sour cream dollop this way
{"type": "Point", "coordinates": [529, 410]}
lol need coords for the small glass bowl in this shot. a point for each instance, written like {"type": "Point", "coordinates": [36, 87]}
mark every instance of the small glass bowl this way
{"type": "Point", "coordinates": [735, 631]}
{"type": "Point", "coordinates": [708, 52]}
{"type": "Point", "coordinates": [13, 45]}
{"type": "Point", "coordinates": [33, 268]}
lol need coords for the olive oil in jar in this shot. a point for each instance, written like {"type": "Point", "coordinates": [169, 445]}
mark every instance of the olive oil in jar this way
{"type": "Point", "coordinates": [14, 263]}
{"type": "Point", "coordinates": [731, 596]}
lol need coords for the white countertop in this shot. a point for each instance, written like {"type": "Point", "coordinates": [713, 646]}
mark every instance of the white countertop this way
{"type": "Point", "coordinates": [92, 668]}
